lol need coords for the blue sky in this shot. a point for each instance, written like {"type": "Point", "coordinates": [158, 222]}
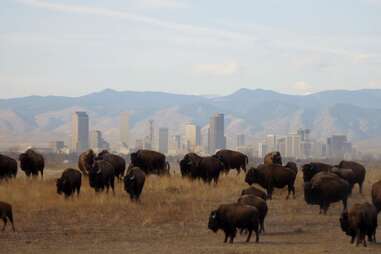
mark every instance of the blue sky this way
{"type": "Point", "coordinates": [67, 47]}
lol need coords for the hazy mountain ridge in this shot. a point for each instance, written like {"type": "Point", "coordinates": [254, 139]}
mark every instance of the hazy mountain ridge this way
{"type": "Point", "coordinates": [253, 112]}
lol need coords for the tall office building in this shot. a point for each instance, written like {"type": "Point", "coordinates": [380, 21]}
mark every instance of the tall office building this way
{"type": "Point", "coordinates": [271, 142]}
{"type": "Point", "coordinates": [292, 149]}
{"type": "Point", "coordinates": [97, 142]}
{"type": "Point", "coordinates": [338, 147]}
{"type": "Point", "coordinates": [163, 140]}
{"type": "Point", "coordinates": [124, 125]}
{"type": "Point", "coordinates": [216, 137]}
{"type": "Point", "coordinates": [240, 140]}
{"type": "Point", "coordinates": [262, 150]}
{"type": "Point", "coordinates": [192, 136]}
{"type": "Point", "coordinates": [80, 132]}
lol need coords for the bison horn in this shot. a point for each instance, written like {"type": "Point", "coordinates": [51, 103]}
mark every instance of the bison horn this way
{"type": "Point", "coordinates": [132, 177]}
{"type": "Point", "coordinates": [98, 171]}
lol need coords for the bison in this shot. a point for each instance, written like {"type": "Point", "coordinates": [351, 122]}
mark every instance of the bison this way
{"type": "Point", "coordinates": [292, 165]}
{"type": "Point", "coordinates": [70, 182]}
{"type": "Point", "coordinates": [116, 161]}
{"type": "Point", "coordinates": [326, 188]}
{"type": "Point", "coordinates": [86, 161]}
{"type": "Point", "coordinates": [273, 158]}
{"type": "Point", "coordinates": [360, 220]}
{"type": "Point", "coordinates": [134, 182]}
{"type": "Point", "coordinates": [32, 162]}
{"type": "Point", "coordinates": [272, 176]}
{"type": "Point", "coordinates": [102, 175]}
{"type": "Point", "coordinates": [311, 169]}
{"type": "Point", "coordinates": [6, 214]}
{"type": "Point", "coordinates": [206, 168]}
{"type": "Point", "coordinates": [232, 160]}
{"type": "Point", "coordinates": [376, 195]}
{"type": "Point", "coordinates": [229, 217]}
{"type": "Point", "coordinates": [346, 174]}
{"type": "Point", "coordinates": [358, 170]}
{"type": "Point", "coordinates": [258, 203]}
{"type": "Point", "coordinates": [8, 167]}
{"type": "Point", "coordinates": [254, 191]}
{"type": "Point", "coordinates": [151, 162]}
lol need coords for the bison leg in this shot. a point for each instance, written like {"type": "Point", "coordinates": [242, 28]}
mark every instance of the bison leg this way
{"type": "Point", "coordinates": [5, 223]}
{"type": "Point", "coordinates": [360, 187]}
{"type": "Point", "coordinates": [226, 237]}
{"type": "Point", "coordinates": [257, 235]}
{"type": "Point", "coordinates": [345, 203]}
{"type": "Point", "coordinates": [262, 229]}
{"type": "Point", "coordinates": [249, 236]}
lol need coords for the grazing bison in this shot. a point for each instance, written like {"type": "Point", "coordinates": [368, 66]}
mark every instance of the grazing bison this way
{"type": "Point", "coordinates": [346, 174]}
{"type": "Point", "coordinates": [292, 165]}
{"type": "Point", "coordinates": [116, 161]}
{"type": "Point", "coordinates": [206, 168]}
{"type": "Point", "coordinates": [360, 220]}
{"type": "Point", "coordinates": [8, 167]}
{"type": "Point", "coordinates": [102, 175]}
{"type": "Point", "coordinates": [86, 161]}
{"type": "Point", "coordinates": [6, 214]}
{"type": "Point", "coordinates": [272, 176]}
{"type": "Point", "coordinates": [229, 217]}
{"type": "Point", "coordinates": [311, 169]}
{"type": "Point", "coordinates": [326, 188]}
{"type": "Point", "coordinates": [70, 182]}
{"type": "Point", "coordinates": [358, 170]}
{"type": "Point", "coordinates": [376, 195]}
{"type": "Point", "coordinates": [254, 191]}
{"type": "Point", "coordinates": [232, 160]}
{"type": "Point", "coordinates": [273, 158]}
{"type": "Point", "coordinates": [134, 182]}
{"type": "Point", "coordinates": [258, 203]}
{"type": "Point", "coordinates": [31, 163]}
{"type": "Point", "coordinates": [151, 162]}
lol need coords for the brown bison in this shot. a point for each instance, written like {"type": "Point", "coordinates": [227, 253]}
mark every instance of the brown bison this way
{"type": "Point", "coordinates": [326, 188]}
{"type": "Point", "coordinates": [360, 220]}
{"type": "Point", "coordinates": [292, 165]}
{"type": "Point", "coordinates": [8, 167]}
{"type": "Point", "coordinates": [273, 158]}
{"type": "Point", "coordinates": [134, 182]}
{"type": "Point", "coordinates": [232, 160]}
{"type": "Point", "coordinates": [6, 214]}
{"type": "Point", "coordinates": [205, 168]}
{"type": "Point", "coordinates": [116, 161]}
{"type": "Point", "coordinates": [254, 191]}
{"type": "Point", "coordinates": [229, 217]}
{"type": "Point", "coordinates": [376, 195]}
{"type": "Point", "coordinates": [358, 170]}
{"type": "Point", "coordinates": [258, 203]}
{"type": "Point", "coordinates": [272, 176]}
{"type": "Point", "coordinates": [32, 162]}
{"type": "Point", "coordinates": [346, 174]}
{"type": "Point", "coordinates": [70, 182]}
{"type": "Point", "coordinates": [151, 162]}
{"type": "Point", "coordinates": [86, 161]}
{"type": "Point", "coordinates": [311, 169]}
{"type": "Point", "coordinates": [101, 175]}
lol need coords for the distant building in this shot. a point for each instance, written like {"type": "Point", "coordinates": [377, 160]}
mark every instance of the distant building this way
{"type": "Point", "coordinates": [281, 145]}
{"type": "Point", "coordinates": [177, 142]}
{"type": "Point", "coordinates": [139, 144]}
{"type": "Point", "coordinates": [192, 136]}
{"type": "Point", "coordinates": [57, 146]}
{"type": "Point", "coordinates": [216, 137]}
{"type": "Point", "coordinates": [292, 146]}
{"type": "Point", "coordinates": [124, 127]}
{"type": "Point", "coordinates": [338, 147]}
{"type": "Point", "coordinates": [163, 140]}
{"type": "Point", "coordinates": [97, 141]}
{"type": "Point", "coordinates": [241, 140]}
{"type": "Point", "coordinates": [262, 150]}
{"type": "Point", "coordinates": [271, 142]}
{"type": "Point", "coordinates": [80, 132]}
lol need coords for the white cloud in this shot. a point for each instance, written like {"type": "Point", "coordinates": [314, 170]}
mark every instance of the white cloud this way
{"type": "Point", "coordinates": [302, 87]}
{"type": "Point", "coordinates": [222, 69]}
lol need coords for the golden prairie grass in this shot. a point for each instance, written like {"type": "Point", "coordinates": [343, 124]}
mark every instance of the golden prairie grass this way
{"type": "Point", "coordinates": [171, 217]}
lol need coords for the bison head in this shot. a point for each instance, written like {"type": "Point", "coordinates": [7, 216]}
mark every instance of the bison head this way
{"type": "Point", "coordinates": [276, 158]}
{"type": "Point", "coordinates": [184, 167]}
{"type": "Point", "coordinates": [94, 174]}
{"type": "Point", "coordinates": [309, 170]}
{"type": "Point", "coordinates": [129, 181]}
{"type": "Point", "coordinates": [134, 157]}
{"type": "Point", "coordinates": [253, 176]}
{"type": "Point", "coordinates": [213, 221]}
{"type": "Point", "coordinates": [344, 223]}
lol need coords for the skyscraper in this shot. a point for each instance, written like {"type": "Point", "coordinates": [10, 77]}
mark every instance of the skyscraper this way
{"type": "Point", "coordinates": [271, 142]}
{"type": "Point", "coordinates": [240, 140]}
{"type": "Point", "coordinates": [192, 136]}
{"type": "Point", "coordinates": [124, 117]}
{"type": "Point", "coordinates": [80, 132]}
{"type": "Point", "coordinates": [163, 140]}
{"type": "Point", "coordinates": [216, 137]}
{"type": "Point", "coordinates": [97, 141]}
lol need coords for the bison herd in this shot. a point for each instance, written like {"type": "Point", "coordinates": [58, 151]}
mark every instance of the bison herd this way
{"type": "Point", "coordinates": [323, 185]}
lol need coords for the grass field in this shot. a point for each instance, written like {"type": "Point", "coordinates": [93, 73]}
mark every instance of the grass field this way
{"type": "Point", "coordinates": [171, 218]}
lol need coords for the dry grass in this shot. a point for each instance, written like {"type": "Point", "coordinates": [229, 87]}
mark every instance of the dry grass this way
{"type": "Point", "coordinates": [172, 218]}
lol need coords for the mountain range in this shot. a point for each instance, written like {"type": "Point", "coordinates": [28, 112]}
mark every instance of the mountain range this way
{"type": "Point", "coordinates": [39, 119]}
